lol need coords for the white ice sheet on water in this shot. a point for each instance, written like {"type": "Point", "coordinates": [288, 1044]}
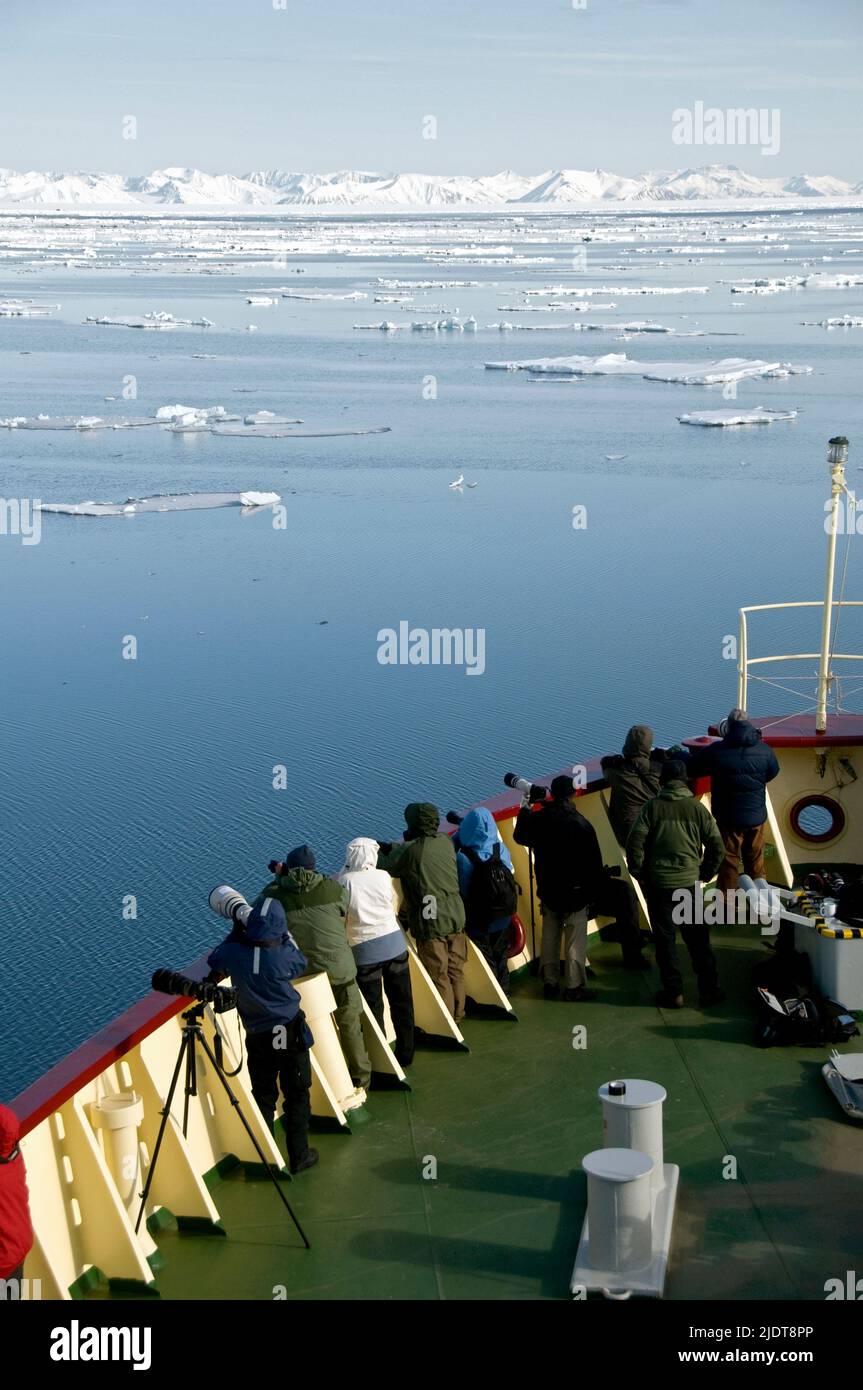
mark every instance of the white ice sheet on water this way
{"type": "Point", "coordinates": [284, 432]}
{"type": "Point", "coordinates": [684, 373]}
{"type": "Point", "coordinates": [759, 416]}
{"type": "Point", "coordinates": [178, 502]}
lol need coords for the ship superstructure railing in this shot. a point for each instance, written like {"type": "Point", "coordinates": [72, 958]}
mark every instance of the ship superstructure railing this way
{"type": "Point", "coordinates": [827, 682]}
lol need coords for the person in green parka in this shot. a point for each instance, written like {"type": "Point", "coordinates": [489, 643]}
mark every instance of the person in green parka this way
{"type": "Point", "coordinates": [315, 909]}
{"type": "Point", "coordinates": [432, 908]}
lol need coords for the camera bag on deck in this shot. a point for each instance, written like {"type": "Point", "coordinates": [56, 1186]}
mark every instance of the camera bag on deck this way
{"type": "Point", "coordinates": [790, 1010]}
{"type": "Point", "coordinates": [492, 891]}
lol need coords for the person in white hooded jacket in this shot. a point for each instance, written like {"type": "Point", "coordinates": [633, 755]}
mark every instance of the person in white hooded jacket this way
{"type": "Point", "coordinates": [378, 942]}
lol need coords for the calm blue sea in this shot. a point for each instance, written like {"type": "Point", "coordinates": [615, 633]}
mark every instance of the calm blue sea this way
{"type": "Point", "coordinates": [257, 647]}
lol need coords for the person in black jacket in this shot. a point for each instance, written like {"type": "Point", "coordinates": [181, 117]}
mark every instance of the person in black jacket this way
{"type": "Point", "coordinates": [739, 766]}
{"type": "Point", "coordinates": [568, 872]}
{"type": "Point", "coordinates": [633, 777]}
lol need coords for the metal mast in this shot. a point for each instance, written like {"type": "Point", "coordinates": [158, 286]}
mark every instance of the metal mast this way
{"type": "Point", "coordinates": [837, 455]}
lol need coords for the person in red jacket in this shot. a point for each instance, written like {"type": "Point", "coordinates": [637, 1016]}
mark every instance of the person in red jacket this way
{"type": "Point", "coordinates": [16, 1230]}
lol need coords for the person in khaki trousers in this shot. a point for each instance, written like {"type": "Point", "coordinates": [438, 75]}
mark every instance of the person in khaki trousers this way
{"type": "Point", "coordinates": [432, 909]}
{"type": "Point", "coordinates": [739, 766]}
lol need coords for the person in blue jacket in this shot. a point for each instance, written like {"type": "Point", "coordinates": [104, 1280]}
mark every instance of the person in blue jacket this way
{"type": "Point", "coordinates": [476, 840]}
{"type": "Point", "coordinates": [262, 959]}
{"type": "Point", "coordinates": [739, 766]}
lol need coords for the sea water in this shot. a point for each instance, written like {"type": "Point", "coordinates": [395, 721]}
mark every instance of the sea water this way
{"type": "Point", "coordinates": [254, 713]}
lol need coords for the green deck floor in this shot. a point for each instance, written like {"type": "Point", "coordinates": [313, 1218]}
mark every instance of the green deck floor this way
{"type": "Point", "coordinates": [508, 1125]}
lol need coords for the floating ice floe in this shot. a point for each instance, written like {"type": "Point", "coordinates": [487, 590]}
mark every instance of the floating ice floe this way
{"type": "Point", "coordinates": [567, 291]}
{"type": "Point", "coordinates": [684, 373]}
{"type": "Point", "coordinates": [76, 422]}
{"type": "Point", "coordinates": [154, 320]}
{"type": "Point", "coordinates": [819, 281]}
{"type": "Point", "coordinates": [758, 416]}
{"type": "Point", "coordinates": [25, 309]}
{"type": "Point", "coordinates": [314, 294]}
{"type": "Point", "coordinates": [179, 502]}
{"type": "Point", "coordinates": [273, 431]}
{"type": "Point", "coordinates": [267, 417]}
{"type": "Point", "coordinates": [261, 299]}
{"type": "Point", "coordinates": [387, 326]}
{"type": "Point", "coordinates": [175, 414]}
{"type": "Point", "coordinates": [842, 321]}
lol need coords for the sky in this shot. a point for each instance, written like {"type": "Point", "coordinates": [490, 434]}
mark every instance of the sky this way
{"type": "Point", "coordinates": [322, 85]}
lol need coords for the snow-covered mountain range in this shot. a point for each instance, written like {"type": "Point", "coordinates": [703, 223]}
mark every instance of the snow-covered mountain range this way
{"type": "Point", "coordinates": [353, 188]}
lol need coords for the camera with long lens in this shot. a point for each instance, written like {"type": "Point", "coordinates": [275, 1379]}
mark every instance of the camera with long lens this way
{"type": "Point", "coordinates": [531, 790]}
{"type": "Point", "coordinates": [227, 902]}
{"type": "Point", "coordinates": [219, 997]}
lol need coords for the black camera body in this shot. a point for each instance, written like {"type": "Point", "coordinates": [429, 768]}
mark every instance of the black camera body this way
{"type": "Point", "coordinates": [219, 997]}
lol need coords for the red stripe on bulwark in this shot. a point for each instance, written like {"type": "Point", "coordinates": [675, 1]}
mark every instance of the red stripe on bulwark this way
{"type": "Point", "coordinates": [109, 1045]}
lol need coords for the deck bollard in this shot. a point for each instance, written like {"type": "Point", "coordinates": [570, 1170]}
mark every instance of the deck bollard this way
{"type": "Point", "coordinates": [631, 1195]}
{"type": "Point", "coordinates": [632, 1119]}
{"type": "Point", "coordinates": [619, 1209]}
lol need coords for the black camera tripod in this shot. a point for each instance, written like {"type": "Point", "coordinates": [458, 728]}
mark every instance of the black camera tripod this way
{"type": "Point", "coordinates": [193, 1034]}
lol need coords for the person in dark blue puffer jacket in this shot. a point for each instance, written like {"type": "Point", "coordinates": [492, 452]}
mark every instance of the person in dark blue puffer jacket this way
{"type": "Point", "coordinates": [739, 766]}
{"type": "Point", "coordinates": [262, 958]}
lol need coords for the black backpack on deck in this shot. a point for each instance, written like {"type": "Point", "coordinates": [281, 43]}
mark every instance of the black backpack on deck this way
{"type": "Point", "coordinates": [790, 1010]}
{"type": "Point", "coordinates": [492, 891]}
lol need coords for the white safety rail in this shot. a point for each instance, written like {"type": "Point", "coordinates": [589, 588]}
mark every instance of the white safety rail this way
{"type": "Point", "coordinates": [745, 661]}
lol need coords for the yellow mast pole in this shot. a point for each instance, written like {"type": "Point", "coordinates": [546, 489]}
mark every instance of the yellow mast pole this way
{"type": "Point", "coordinates": [837, 455]}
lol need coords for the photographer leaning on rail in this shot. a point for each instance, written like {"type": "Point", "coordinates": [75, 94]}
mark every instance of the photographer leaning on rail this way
{"type": "Point", "coordinates": [432, 909]}
{"type": "Point", "coordinates": [674, 846]}
{"type": "Point", "coordinates": [262, 958]}
{"type": "Point", "coordinates": [633, 777]}
{"type": "Point", "coordinates": [739, 767]}
{"type": "Point", "coordinates": [573, 885]}
{"type": "Point", "coordinates": [568, 872]}
{"type": "Point", "coordinates": [315, 908]}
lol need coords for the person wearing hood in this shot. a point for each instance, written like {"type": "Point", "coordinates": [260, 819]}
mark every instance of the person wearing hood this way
{"type": "Point", "coordinates": [477, 842]}
{"type": "Point", "coordinates": [739, 766]}
{"type": "Point", "coordinates": [262, 959]}
{"type": "Point", "coordinates": [674, 846]}
{"type": "Point", "coordinates": [378, 942]}
{"type": "Point", "coordinates": [633, 777]}
{"type": "Point", "coordinates": [569, 872]}
{"type": "Point", "coordinates": [432, 909]}
{"type": "Point", "coordinates": [315, 908]}
{"type": "Point", "coordinates": [16, 1229]}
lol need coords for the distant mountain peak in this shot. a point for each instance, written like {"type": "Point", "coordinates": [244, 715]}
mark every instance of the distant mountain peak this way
{"type": "Point", "coordinates": [349, 188]}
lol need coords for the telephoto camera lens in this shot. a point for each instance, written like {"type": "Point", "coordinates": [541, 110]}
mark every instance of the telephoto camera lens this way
{"type": "Point", "coordinates": [227, 902]}
{"type": "Point", "coordinates": [532, 790]}
{"type": "Point", "coordinates": [219, 997]}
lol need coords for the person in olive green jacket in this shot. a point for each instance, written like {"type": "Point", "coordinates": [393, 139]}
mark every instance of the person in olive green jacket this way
{"type": "Point", "coordinates": [432, 908]}
{"type": "Point", "coordinates": [315, 908]}
{"type": "Point", "coordinates": [674, 844]}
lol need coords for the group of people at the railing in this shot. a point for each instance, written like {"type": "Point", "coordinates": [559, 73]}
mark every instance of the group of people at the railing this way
{"type": "Point", "coordinates": [352, 927]}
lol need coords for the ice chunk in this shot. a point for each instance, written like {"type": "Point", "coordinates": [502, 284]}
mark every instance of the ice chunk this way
{"type": "Point", "coordinates": [758, 416]}
{"type": "Point", "coordinates": [283, 432]}
{"type": "Point", "coordinates": [684, 373]}
{"type": "Point", "coordinates": [167, 502]}
{"type": "Point", "coordinates": [842, 321]}
{"type": "Point", "coordinates": [266, 417]}
{"type": "Point", "coordinates": [168, 413]}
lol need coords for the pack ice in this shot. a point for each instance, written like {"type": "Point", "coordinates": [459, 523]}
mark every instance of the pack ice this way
{"type": "Point", "coordinates": [684, 373]}
{"type": "Point", "coordinates": [759, 416]}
